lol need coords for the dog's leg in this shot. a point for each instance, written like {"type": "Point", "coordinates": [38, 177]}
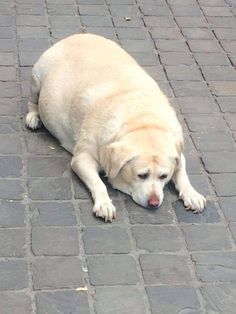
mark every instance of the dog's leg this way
{"type": "Point", "coordinates": [86, 167]}
{"type": "Point", "coordinates": [191, 198]}
{"type": "Point", "coordinates": [32, 119]}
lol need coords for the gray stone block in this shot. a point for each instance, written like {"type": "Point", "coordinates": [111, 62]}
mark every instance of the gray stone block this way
{"type": "Point", "coordinates": [219, 73]}
{"type": "Point", "coordinates": [211, 59]}
{"type": "Point", "coordinates": [49, 189]}
{"type": "Point", "coordinates": [54, 241]}
{"type": "Point", "coordinates": [11, 189]}
{"type": "Point", "coordinates": [231, 120]}
{"type": "Point", "coordinates": [32, 32]}
{"type": "Point", "coordinates": [31, 20]}
{"type": "Point", "coordinates": [12, 242]}
{"type": "Point", "coordinates": [140, 215]}
{"type": "Point", "coordinates": [112, 270]}
{"type": "Point", "coordinates": [155, 10]}
{"type": "Point", "coordinates": [206, 237]}
{"type": "Point", "coordinates": [165, 269]}
{"type": "Point", "coordinates": [225, 184]}
{"type": "Point", "coordinates": [156, 72]}
{"type": "Point", "coordinates": [209, 214]}
{"type": "Point", "coordinates": [176, 58]}
{"type": "Point", "coordinates": [158, 238]}
{"type": "Point", "coordinates": [8, 89]}
{"type": "Point", "coordinates": [228, 206]}
{"type": "Point", "coordinates": [159, 21]}
{"type": "Point", "coordinates": [222, 21]}
{"type": "Point", "coordinates": [131, 33]}
{"type": "Point", "coordinates": [114, 300]}
{"type": "Point", "coordinates": [187, 11]}
{"type": "Point", "coordinates": [173, 299]}
{"type": "Point", "coordinates": [43, 144]}
{"type": "Point", "coordinates": [13, 275]}
{"type": "Point", "coordinates": [10, 166]}
{"type": "Point", "coordinates": [189, 88]}
{"type": "Point", "coordinates": [48, 166]}
{"type": "Point", "coordinates": [9, 125]}
{"type": "Point", "coordinates": [197, 33]}
{"type": "Point", "coordinates": [215, 266]}
{"type": "Point", "coordinates": [223, 88]}
{"type": "Point", "coordinates": [61, 9]}
{"type": "Point", "coordinates": [123, 10]}
{"type": "Point", "coordinates": [197, 105]}
{"type": "Point", "coordinates": [120, 21]}
{"type": "Point", "coordinates": [91, 20]}
{"type": "Point", "coordinates": [204, 46]}
{"type": "Point", "coordinates": [93, 10]}
{"type": "Point", "coordinates": [165, 33]}
{"type": "Point", "coordinates": [99, 240]}
{"type": "Point", "coordinates": [217, 11]}
{"type": "Point", "coordinates": [53, 214]}
{"type": "Point", "coordinates": [15, 303]}
{"type": "Point", "coordinates": [218, 162]}
{"type": "Point", "coordinates": [206, 122]}
{"type": "Point", "coordinates": [9, 106]}
{"type": "Point", "coordinates": [213, 141]}
{"type": "Point", "coordinates": [7, 45]}
{"type": "Point", "coordinates": [191, 21]}
{"type": "Point", "coordinates": [171, 45]}
{"type": "Point", "coordinates": [227, 104]}
{"type": "Point", "coordinates": [12, 214]}
{"type": "Point", "coordinates": [225, 33]}
{"type": "Point", "coordinates": [57, 273]}
{"type": "Point", "coordinates": [66, 302]}
{"type": "Point", "coordinates": [183, 72]}
{"type": "Point", "coordinates": [137, 45]}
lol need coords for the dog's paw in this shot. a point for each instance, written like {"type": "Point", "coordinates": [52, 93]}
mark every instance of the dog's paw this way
{"type": "Point", "coordinates": [32, 121]}
{"type": "Point", "coordinates": [105, 210]}
{"type": "Point", "coordinates": [193, 200]}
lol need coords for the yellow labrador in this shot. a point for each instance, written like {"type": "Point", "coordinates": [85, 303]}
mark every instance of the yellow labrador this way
{"type": "Point", "coordinates": [110, 115]}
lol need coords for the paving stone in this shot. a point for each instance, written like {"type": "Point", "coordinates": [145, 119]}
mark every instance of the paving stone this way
{"type": "Point", "coordinates": [57, 273]}
{"type": "Point", "coordinates": [13, 275]}
{"type": "Point", "coordinates": [11, 189]}
{"type": "Point", "coordinates": [53, 214]}
{"type": "Point", "coordinates": [218, 162]}
{"type": "Point", "coordinates": [166, 88]}
{"type": "Point", "coordinates": [212, 3]}
{"type": "Point", "coordinates": [188, 11]}
{"type": "Point", "coordinates": [99, 240]}
{"type": "Point", "coordinates": [225, 33]}
{"type": "Point", "coordinates": [6, 20]}
{"type": "Point", "coordinates": [113, 300]}
{"type": "Point", "coordinates": [183, 72]}
{"type": "Point", "coordinates": [206, 122]}
{"type": "Point", "coordinates": [123, 10]}
{"type": "Point", "coordinates": [10, 166]}
{"type": "Point", "coordinates": [66, 302]}
{"type": "Point", "coordinates": [183, 2]}
{"type": "Point", "coordinates": [7, 45]}
{"type": "Point", "coordinates": [107, 32]}
{"type": "Point", "coordinates": [204, 46]}
{"type": "Point", "coordinates": [145, 58]}
{"type": "Point", "coordinates": [233, 230]}
{"type": "Point", "coordinates": [197, 33]}
{"type": "Point", "coordinates": [215, 267]}
{"type": "Point", "coordinates": [7, 73]}
{"type": "Point", "coordinates": [31, 20]}
{"type": "Point", "coordinates": [60, 9]}
{"type": "Point", "coordinates": [43, 144]}
{"type": "Point", "coordinates": [173, 299]}
{"type": "Point", "coordinates": [48, 166]}
{"type": "Point", "coordinates": [190, 88]}
{"type": "Point", "coordinates": [219, 298]}
{"type": "Point", "coordinates": [30, 8]}
{"type": "Point", "coordinates": [227, 104]}
{"type": "Point", "coordinates": [15, 303]}
{"type": "Point", "coordinates": [216, 11]}
{"type": "Point", "coordinates": [6, 32]}
{"type": "Point", "coordinates": [159, 21]}
{"type": "Point", "coordinates": [120, 21]}
{"type": "Point", "coordinates": [112, 270]}
{"type": "Point", "coordinates": [165, 33]}
{"type": "Point", "coordinates": [222, 88]}
{"type": "Point", "coordinates": [231, 120]}
{"type": "Point", "coordinates": [140, 215]}
{"type": "Point", "coordinates": [12, 214]}
{"type": "Point", "coordinates": [228, 206]}
{"type": "Point", "coordinates": [32, 32]}
{"type": "Point", "coordinates": [167, 238]}
{"type": "Point", "coordinates": [212, 59]}
{"type": "Point", "coordinates": [131, 33]}
{"type": "Point", "coordinates": [196, 236]}
{"type": "Point", "coordinates": [139, 45]}
{"type": "Point", "coordinates": [10, 144]}
{"type": "Point", "coordinates": [155, 10]}
{"type": "Point", "coordinates": [9, 125]}
{"type": "Point", "coordinates": [156, 72]}
{"type": "Point", "coordinates": [69, 22]}
{"type": "Point", "coordinates": [8, 89]}
{"type": "Point", "coordinates": [32, 44]}
{"type": "Point", "coordinates": [229, 45]}
{"type": "Point", "coordinates": [103, 21]}
{"type": "Point", "coordinates": [222, 21]}
{"type": "Point", "coordinates": [191, 21]}
{"type": "Point", "coordinates": [176, 58]}
{"type": "Point", "coordinates": [213, 141]}
{"type": "Point", "coordinates": [54, 241]}
{"type": "Point", "coordinates": [219, 73]}
{"type": "Point", "coordinates": [93, 10]}
{"type": "Point", "coordinates": [88, 218]}
{"type": "Point", "coordinates": [171, 45]}
{"type": "Point", "coordinates": [165, 269]}
{"type": "Point", "coordinates": [12, 242]}
{"type": "Point", "coordinates": [7, 58]}
{"type": "Point", "coordinates": [200, 183]}
{"type": "Point", "coordinates": [210, 214]}
{"type": "Point", "coordinates": [197, 105]}
{"type": "Point", "coordinates": [49, 188]}
{"type": "Point", "coordinates": [225, 184]}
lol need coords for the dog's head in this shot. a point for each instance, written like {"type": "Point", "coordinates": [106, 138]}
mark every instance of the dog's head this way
{"type": "Point", "coordinates": [141, 168]}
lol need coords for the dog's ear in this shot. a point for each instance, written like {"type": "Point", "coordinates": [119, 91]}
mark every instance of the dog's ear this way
{"type": "Point", "coordinates": [118, 155]}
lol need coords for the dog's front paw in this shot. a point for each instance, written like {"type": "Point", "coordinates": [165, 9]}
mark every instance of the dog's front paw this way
{"type": "Point", "coordinates": [104, 209]}
{"type": "Point", "coordinates": [193, 200]}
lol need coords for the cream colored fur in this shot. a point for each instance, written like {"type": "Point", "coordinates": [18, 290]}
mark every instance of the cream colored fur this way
{"type": "Point", "coordinates": [110, 115]}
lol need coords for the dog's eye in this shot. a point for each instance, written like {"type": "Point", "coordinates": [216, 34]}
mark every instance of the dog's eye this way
{"type": "Point", "coordinates": [143, 176]}
{"type": "Point", "coordinates": [163, 176]}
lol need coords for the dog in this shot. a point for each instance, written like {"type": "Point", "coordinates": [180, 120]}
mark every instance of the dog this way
{"type": "Point", "coordinates": [112, 116]}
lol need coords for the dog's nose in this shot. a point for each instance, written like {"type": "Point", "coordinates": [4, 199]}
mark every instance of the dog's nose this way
{"type": "Point", "coordinates": [153, 201]}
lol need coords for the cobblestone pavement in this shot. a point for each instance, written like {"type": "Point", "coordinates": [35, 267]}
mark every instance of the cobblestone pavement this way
{"type": "Point", "coordinates": [167, 261]}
